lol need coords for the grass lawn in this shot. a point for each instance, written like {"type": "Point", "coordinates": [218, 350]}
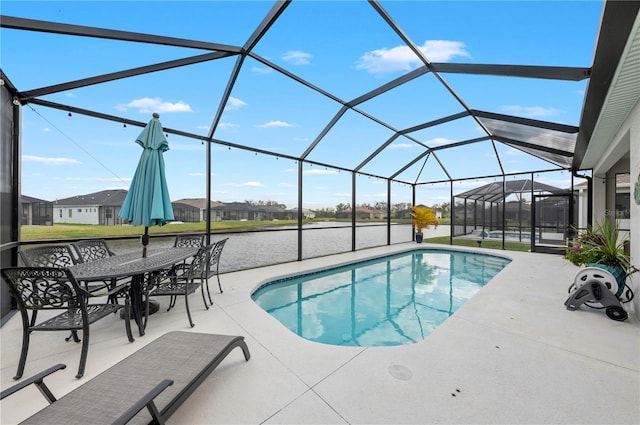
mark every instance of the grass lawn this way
{"type": "Point", "coordinates": [509, 246]}
{"type": "Point", "coordinates": [75, 231]}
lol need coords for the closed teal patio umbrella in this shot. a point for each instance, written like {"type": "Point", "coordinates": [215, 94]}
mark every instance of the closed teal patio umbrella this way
{"type": "Point", "coordinates": [147, 202]}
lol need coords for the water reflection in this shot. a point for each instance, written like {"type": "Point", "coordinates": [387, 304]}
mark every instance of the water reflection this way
{"type": "Point", "coordinates": [396, 300]}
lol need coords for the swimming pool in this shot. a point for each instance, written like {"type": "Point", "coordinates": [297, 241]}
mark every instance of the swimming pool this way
{"type": "Point", "coordinates": [392, 300]}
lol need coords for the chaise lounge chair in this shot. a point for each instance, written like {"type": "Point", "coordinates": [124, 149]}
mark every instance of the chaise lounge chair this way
{"type": "Point", "coordinates": [159, 376]}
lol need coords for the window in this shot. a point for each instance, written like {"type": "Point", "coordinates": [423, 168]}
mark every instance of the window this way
{"type": "Point", "coordinates": [60, 212]}
{"type": "Point", "coordinates": [70, 212]}
{"type": "Point", "coordinates": [623, 206]}
{"type": "Point", "coordinates": [623, 196]}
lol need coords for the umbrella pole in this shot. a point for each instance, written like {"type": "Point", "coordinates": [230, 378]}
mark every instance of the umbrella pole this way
{"type": "Point", "coordinates": [145, 241]}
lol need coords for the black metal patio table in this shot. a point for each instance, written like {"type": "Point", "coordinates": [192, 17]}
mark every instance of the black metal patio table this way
{"type": "Point", "coordinates": [132, 264]}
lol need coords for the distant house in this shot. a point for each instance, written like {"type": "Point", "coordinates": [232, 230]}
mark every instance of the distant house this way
{"type": "Point", "coordinates": [37, 212]}
{"type": "Point", "coordinates": [192, 210]}
{"type": "Point", "coordinates": [292, 214]}
{"type": "Point", "coordinates": [93, 208]}
{"type": "Point", "coordinates": [236, 211]}
{"type": "Point", "coordinates": [362, 213]}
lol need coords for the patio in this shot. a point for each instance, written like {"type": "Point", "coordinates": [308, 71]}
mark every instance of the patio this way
{"type": "Point", "coordinates": [512, 354]}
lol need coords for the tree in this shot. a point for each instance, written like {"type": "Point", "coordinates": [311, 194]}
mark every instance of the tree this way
{"type": "Point", "coordinates": [422, 218]}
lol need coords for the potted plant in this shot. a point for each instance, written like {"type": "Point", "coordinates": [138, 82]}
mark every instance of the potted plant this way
{"type": "Point", "coordinates": [599, 247]}
{"type": "Point", "coordinates": [421, 218]}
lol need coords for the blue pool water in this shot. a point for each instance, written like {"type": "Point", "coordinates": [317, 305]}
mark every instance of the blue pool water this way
{"type": "Point", "coordinates": [393, 300]}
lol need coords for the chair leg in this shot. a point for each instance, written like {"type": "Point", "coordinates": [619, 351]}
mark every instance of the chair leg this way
{"type": "Point", "coordinates": [23, 354]}
{"type": "Point", "coordinates": [172, 302]}
{"type": "Point", "coordinates": [204, 300]}
{"type": "Point", "coordinates": [206, 283]}
{"type": "Point", "coordinates": [85, 350]}
{"type": "Point", "coordinates": [74, 336]}
{"type": "Point", "coordinates": [219, 285]}
{"type": "Point", "coordinates": [113, 298]}
{"type": "Point", "coordinates": [186, 304]}
{"type": "Point", "coordinates": [127, 318]}
{"type": "Point", "coordinates": [146, 310]}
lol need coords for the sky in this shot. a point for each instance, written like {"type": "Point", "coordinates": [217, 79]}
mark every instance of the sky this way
{"type": "Point", "coordinates": [343, 48]}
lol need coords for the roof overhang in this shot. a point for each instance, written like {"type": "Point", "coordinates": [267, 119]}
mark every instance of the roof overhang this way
{"type": "Point", "coordinates": [613, 89]}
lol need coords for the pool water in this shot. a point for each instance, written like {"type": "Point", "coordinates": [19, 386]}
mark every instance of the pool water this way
{"type": "Point", "coordinates": [393, 300]}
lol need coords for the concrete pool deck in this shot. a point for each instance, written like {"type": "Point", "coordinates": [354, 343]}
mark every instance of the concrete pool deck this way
{"type": "Point", "coordinates": [512, 354]}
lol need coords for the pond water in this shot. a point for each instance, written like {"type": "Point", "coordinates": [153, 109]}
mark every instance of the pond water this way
{"type": "Point", "coordinates": [254, 249]}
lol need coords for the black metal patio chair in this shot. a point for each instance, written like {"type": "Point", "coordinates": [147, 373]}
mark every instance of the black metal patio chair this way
{"type": "Point", "coordinates": [189, 241]}
{"type": "Point", "coordinates": [178, 282]}
{"type": "Point", "coordinates": [48, 256]}
{"type": "Point", "coordinates": [59, 256]}
{"type": "Point", "coordinates": [89, 250]}
{"type": "Point", "coordinates": [214, 265]}
{"type": "Point", "coordinates": [55, 289]}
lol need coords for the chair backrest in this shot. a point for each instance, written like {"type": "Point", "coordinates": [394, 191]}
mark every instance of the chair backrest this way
{"type": "Point", "coordinates": [205, 263]}
{"type": "Point", "coordinates": [48, 256]}
{"type": "Point", "coordinates": [189, 241]}
{"type": "Point", "coordinates": [215, 253]}
{"type": "Point", "coordinates": [200, 263]}
{"type": "Point", "coordinates": [92, 250]}
{"type": "Point", "coordinates": [41, 288]}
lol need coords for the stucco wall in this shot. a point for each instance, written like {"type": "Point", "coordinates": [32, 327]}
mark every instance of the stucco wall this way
{"type": "Point", "coordinates": [79, 215]}
{"type": "Point", "coordinates": [615, 160]}
{"type": "Point", "coordinates": [634, 126]}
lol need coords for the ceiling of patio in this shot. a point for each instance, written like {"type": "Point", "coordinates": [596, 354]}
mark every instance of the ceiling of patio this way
{"type": "Point", "coordinates": [374, 120]}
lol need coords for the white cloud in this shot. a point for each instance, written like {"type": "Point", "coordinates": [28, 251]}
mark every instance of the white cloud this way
{"type": "Point", "coordinates": [262, 70]}
{"type": "Point", "coordinates": [438, 141]}
{"type": "Point", "coordinates": [531, 111]}
{"type": "Point", "coordinates": [402, 146]}
{"type": "Point", "coordinates": [147, 105]}
{"type": "Point", "coordinates": [233, 104]}
{"type": "Point", "coordinates": [49, 161]}
{"type": "Point", "coordinates": [272, 124]}
{"type": "Point", "coordinates": [514, 152]}
{"type": "Point", "coordinates": [125, 180]}
{"type": "Point", "coordinates": [246, 184]}
{"type": "Point", "coordinates": [227, 125]}
{"type": "Point", "coordinates": [402, 58]}
{"type": "Point", "coordinates": [193, 147]}
{"type": "Point", "coordinates": [319, 172]}
{"type": "Point", "coordinates": [297, 57]}
{"type": "Point", "coordinates": [284, 184]}
{"type": "Point", "coordinates": [196, 174]}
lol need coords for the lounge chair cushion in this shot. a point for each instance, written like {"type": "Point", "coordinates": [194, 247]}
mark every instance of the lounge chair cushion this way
{"type": "Point", "coordinates": [185, 357]}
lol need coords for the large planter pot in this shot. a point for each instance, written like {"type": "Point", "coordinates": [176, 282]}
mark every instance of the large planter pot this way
{"type": "Point", "coordinates": [418, 237]}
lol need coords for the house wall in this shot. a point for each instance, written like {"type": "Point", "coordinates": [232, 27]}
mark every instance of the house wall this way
{"type": "Point", "coordinates": [79, 214]}
{"type": "Point", "coordinates": [634, 222]}
{"type": "Point", "coordinates": [623, 155]}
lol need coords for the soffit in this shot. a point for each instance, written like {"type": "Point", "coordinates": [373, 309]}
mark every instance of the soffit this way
{"type": "Point", "coordinates": [622, 96]}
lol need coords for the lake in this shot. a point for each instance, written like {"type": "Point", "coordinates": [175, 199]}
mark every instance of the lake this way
{"type": "Point", "coordinates": [280, 244]}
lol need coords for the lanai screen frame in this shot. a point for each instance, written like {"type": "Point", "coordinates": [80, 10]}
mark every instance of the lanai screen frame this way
{"type": "Point", "coordinates": [510, 128]}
